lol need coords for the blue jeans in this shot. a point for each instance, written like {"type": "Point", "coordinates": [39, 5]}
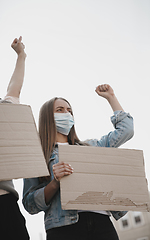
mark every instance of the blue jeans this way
{"type": "Point", "coordinates": [90, 226]}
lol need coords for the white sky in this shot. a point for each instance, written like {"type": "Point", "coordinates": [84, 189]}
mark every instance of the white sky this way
{"type": "Point", "coordinates": [72, 46]}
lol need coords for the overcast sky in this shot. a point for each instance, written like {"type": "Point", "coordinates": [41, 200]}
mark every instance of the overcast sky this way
{"type": "Point", "coordinates": [72, 46]}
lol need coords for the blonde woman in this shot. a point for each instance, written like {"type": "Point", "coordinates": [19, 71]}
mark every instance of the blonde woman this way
{"type": "Point", "coordinates": [56, 126]}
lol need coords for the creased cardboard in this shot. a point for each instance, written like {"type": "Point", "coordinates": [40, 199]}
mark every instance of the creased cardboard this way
{"type": "Point", "coordinates": [21, 154]}
{"type": "Point", "coordinates": [104, 179]}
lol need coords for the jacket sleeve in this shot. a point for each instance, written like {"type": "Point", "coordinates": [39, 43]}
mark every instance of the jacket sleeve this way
{"type": "Point", "coordinates": [123, 124]}
{"type": "Point", "coordinates": [33, 196]}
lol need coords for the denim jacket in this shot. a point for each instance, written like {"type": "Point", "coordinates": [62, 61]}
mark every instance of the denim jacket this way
{"type": "Point", "coordinates": [33, 192]}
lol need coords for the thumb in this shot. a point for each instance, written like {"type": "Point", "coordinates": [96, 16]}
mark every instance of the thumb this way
{"type": "Point", "coordinates": [20, 39]}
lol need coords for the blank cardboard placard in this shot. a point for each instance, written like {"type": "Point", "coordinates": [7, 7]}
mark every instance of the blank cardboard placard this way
{"type": "Point", "coordinates": [21, 154]}
{"type": "Point", "coordinates": [104, 179]}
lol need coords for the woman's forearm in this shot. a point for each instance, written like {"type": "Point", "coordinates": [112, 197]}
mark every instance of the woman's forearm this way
{"type": "Point", "coordinates": [50, 190]}
{"type": "Point", "coordinates": [60, 170]}
{"type": "Point", "coordinates": [16, 81]}
{"type": "Point", "coordinates": [114, 103]}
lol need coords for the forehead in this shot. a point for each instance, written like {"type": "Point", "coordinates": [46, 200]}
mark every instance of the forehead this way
{"type": "Point", "coordinates": [61, 103]}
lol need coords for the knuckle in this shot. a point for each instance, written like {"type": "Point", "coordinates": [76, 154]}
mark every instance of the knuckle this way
{"type": "Point", "coordinates": [64, 169]}
{"type": "Point", "coordinates": [63, 164]}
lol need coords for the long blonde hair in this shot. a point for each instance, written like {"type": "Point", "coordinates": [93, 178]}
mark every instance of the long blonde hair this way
{"type": "Point", "coordinates": [47, 129]}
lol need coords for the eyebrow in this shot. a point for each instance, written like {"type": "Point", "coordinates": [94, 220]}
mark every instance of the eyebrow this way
{"type": "Point", "coordinates": [63, 107]}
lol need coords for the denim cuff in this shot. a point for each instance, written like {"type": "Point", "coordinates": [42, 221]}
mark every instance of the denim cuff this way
{"type": "Point", "coordinates": [119, 116]}
{"type": "Point", "coordinates": [39, 199]}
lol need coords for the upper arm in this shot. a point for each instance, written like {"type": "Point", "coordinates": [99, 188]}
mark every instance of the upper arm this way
{"type": "Point", "coordinates": [13, 93]}
{"type": "Point", "coordinates": [14, 87]}
{"type": "Point", "coordinates": [123, 124]}
{"type": "Point", "coordinates": [124, 129]}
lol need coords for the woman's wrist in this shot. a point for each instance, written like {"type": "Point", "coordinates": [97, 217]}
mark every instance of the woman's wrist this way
{"type": "Point", "coordinates": [56, 182]}
{"type": "Point", "coordinates": [111, 97]}
{"type": "Point", "coordinates": [22, 55]}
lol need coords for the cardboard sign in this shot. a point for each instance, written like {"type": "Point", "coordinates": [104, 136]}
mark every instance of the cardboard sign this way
{"type": "Point", "coordinates": [21, 154]}
{"type": "Point", "coordinates": [104, 179]}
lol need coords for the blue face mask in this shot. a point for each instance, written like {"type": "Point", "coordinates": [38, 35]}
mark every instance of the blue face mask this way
{"type": "Point", "coordinates": [64, 122]}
